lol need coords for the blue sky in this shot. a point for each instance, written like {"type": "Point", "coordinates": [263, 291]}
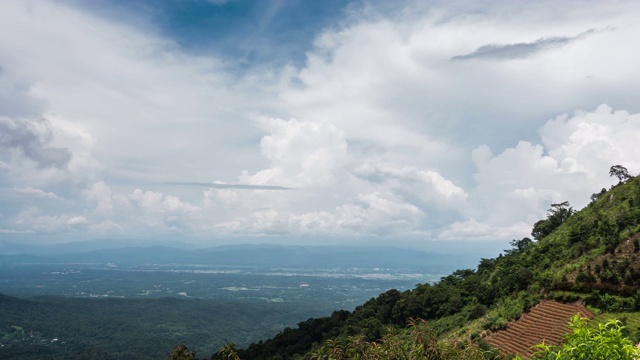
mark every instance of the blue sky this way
{"type": "Point", "coordinates": [244, 33]}
{"type": "Point", "coordinates": [310, 122]}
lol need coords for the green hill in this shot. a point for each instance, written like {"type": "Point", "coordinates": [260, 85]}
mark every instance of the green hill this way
{"type": "Point", "coordinates": [592, 255]}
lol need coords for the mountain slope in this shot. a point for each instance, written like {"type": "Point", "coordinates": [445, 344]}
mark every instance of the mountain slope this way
{"type": "Point", "coordinates": [591, 255]}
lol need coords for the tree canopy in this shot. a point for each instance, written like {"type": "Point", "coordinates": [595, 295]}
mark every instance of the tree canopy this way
{"type": "Point", "coordinates": [620, 172]}
{"type": "Point", "coordinates": [556, 215]}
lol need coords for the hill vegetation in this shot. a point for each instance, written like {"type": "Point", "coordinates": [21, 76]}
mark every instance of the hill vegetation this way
{"type": "Point", "coordinates": [591, 255]}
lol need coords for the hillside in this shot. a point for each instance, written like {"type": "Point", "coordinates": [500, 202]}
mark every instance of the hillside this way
{"type": "Point", "coordinates": [592, 256]}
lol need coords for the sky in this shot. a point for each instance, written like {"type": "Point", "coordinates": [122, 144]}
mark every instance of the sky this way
{"type": "Point", "coordinates": [310, 122]}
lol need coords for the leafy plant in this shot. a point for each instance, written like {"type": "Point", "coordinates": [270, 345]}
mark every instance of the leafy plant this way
{"type": "Point", "coordinates": [418, 342]}
{"type": "Point", "coordinates": [606, 342]}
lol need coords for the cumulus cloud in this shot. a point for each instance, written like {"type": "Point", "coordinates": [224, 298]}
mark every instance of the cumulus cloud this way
{"type": "Point", "coordinates": [33, 220]}
{"type": "Point", "coordinates": [301, 154]}
{"type": "Point", "coordinates": [335, 195]}
{"type": "Point", "coordinates": [31, 138]}
{"type": "Point", "coordinates": [155, 202]}
{"type": "Point", "coordinates": [374, 214]}
{"type": "Point", "coordinates": [571, 161]}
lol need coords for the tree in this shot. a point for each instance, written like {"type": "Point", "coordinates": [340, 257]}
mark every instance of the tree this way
{"type": "Point", "coordinates": [556, 215]}
{"type": "Point", "coordinates": [596, 196]}
{"type": "Point", "coordinates": [227, 352]}
{"type": "Point", "coordinates": [607, 342]}
{"type": "Point", "coordinates": [519, 246]}
{"type": "Point", "coordinates": [620, 172]}
{"type": "Point", "coordinates": [181, 352]}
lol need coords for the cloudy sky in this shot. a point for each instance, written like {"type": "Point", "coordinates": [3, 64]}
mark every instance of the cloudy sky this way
{"type": "Point", "coordinates": [312, 122]}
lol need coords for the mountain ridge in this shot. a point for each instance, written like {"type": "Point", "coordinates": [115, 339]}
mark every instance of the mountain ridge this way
{"type": "Point", "coordinates": [258, 255]}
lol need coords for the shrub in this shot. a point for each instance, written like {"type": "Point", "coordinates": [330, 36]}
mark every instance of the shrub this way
{"type": "Point", "coordinates": [607, 342]}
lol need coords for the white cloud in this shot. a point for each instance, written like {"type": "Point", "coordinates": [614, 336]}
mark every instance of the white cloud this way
{"type": "Point", "coordinates": [154, 202]}
{"type": "Point", "coordinates": [31, 220]}
{"type": "Point", "coordinates": [101, 194]}
{"type": "Point", "coordinates": [13, 231]}
{"type": "Point", "coordinates": [77, 220]}
{"type": "Point", "coordinates": [390, 79]}
{"type": "Point", "coordinates": [386, 135]}
{"type": "Point", "coordinates": [301, 154]}
{"type": "Point", "coordinates": [474, 230]}
{"type": "Point", "coordinates": [131, 96]}
{"type": "Point", "coordinates": [39, 193]}
{"type": "Point", "coordinates": [572, 161]}
{"type": "Point", "coordinates": [593, 141]}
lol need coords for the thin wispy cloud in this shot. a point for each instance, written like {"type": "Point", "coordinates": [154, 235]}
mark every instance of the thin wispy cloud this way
{"type": "Point", "coordinates": [522, 50]}
{"type": "Point", "coordinates": [229, 186]}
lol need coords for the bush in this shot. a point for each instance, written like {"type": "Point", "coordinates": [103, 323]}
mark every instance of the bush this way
{"type": "Point", "coordinates": [476, 312]}
{"type": "Point", "coordinates": [495, 324]}
{"type": "Point", "coordinates": [607, 342]}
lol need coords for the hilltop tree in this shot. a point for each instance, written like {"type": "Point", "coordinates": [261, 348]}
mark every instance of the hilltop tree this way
{"type": "Point", "coordinates": [620, 172]}
{"type": "Point", "coordinates": [556, 215]}
{"type": "Point", "coordinates": [519, 246]}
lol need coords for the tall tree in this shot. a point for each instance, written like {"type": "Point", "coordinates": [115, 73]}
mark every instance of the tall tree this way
{"type": "Point", "coordinates": [620, 172]}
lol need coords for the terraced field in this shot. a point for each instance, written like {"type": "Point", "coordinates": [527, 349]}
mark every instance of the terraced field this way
{"type": "Point", "coordinates": [546, 322]}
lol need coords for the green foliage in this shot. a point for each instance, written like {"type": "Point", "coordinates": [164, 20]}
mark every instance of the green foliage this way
{"type": "Point", "coordinates": [596, 196]}
{"type": "Point", "coordinates": [290, 342]}
{"type": "Point", "coordinates": [477, 311]}
{"type": "Point", "coordinates": [509, 308]}
{"type": "Point", "coordinates": [611, 303]}
{"type": "Point", "coordinates": [181, 352]}
{"type": "Point", "coordinates": [556, 215]}
{"type": "Point", "coordinates": [227, 352]}
{"type": "Point", "coordinates": [416, 343]}
{"type": "Point", "coordinates": [606, 342]}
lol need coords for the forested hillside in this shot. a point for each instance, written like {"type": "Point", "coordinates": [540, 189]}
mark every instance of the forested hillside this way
{"type": "Point", "coordinates": [592, 255]}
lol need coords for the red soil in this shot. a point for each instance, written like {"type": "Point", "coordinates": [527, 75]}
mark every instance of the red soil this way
{"type": "Point", "coordinates": [546, 322]}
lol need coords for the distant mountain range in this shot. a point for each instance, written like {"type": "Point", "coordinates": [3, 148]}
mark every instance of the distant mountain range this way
{"type": "Point", "coordinates": [242, 255]}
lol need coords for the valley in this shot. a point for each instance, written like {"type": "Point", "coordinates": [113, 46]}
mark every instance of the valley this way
{"type": "Point", "coordinates": [105, 305]}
